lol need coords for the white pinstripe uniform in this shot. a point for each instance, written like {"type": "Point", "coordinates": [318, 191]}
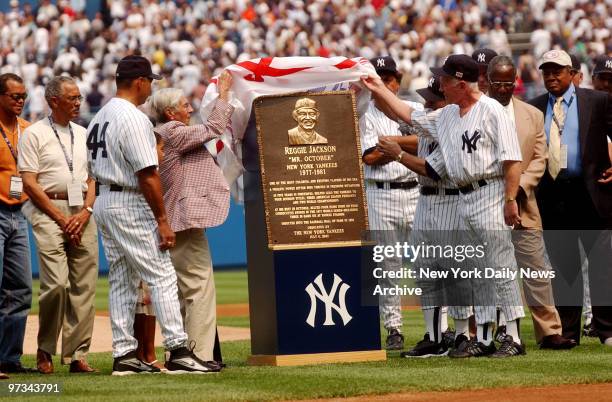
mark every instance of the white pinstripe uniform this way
{"type": "Point", "coordinates": [390, 211]}
{"type": "Point", "coordinates": [121, 143]}
{"type": "Point", "coordinates": [473, 148]}
{"type": "Point", "coordinates": [436, 214]}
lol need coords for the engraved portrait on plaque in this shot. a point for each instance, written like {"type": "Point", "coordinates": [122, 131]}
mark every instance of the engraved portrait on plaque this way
{"type": "Point", "coordinates": [306, 115]}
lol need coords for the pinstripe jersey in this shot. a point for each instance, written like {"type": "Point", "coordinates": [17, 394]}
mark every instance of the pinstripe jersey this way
{"type": "Point", "coordinates": [424, 123]}
{"type": "Point", "coordinates": [374, 124]}
{"type": "Point", "coordinates": [121, 142]}
{"type": "Point", "coordinates": [474, 146]}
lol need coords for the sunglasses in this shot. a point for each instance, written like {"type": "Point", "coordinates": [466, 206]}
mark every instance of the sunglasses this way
{"type": "Point", "coordinates": [17, 97]}
{"type": "Point", "coordinates": [502, 84]}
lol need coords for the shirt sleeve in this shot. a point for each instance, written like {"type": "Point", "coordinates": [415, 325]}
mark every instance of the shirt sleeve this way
{"type": "Point", "coordinates": [138, 142]}
{"type": "Point", "coordinates": [435, 160]}
{"type": "Point", "coordinates": [369, 138]}
{"type": "Point", "coordinates": [503, 135]}
{"type": "Point", "coordinates": [27, 151]}
{"type": "Point", "coordinates": [425, 124]}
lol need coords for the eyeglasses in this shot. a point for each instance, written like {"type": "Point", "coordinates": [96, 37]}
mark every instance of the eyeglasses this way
{"type": "Point", "coordinates": [74, 99]}
{"type": "Point", "coordinates": [502, 84]}
{"type": "Point", "coordinates": [17, 97]}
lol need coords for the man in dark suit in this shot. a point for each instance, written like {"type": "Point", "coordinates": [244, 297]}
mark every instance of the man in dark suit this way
{"type": "Point", "coordinates": [575, 194]}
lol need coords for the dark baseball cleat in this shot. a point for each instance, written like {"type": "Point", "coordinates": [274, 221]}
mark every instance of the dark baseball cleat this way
{"type": "Point", "coordinates": [557, 342]}
{"type": "Point", "coordinates": [16, 368]}
{"type": "Point", "coordinates": [130, 364]}
{"type": "Point", "coordinates": [589, 331]}
{"type": "Point", "coordinates": [448, 338]}
{"type": "Point", "coordinates": [426, 348]}
{"type": "Point", "coordinates": [472, 348]}
{"type": "Point", "coordinates": [509, 348]}
{"type": "Point", "coordinates": [460, 342]}
{"type": "Point", "coordinates": [184, 361]}
{"type": "Point", "coordinates": [500, 334]}
{"type": "Point", "coordinates": [395, 340]}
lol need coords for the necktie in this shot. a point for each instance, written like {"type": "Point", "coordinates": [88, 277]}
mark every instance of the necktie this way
{"type": "Point", "coordinates": [554, 142]}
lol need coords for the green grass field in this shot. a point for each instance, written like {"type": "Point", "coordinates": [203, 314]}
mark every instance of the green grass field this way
{"type": "Point", "coordinates": [588, 363]}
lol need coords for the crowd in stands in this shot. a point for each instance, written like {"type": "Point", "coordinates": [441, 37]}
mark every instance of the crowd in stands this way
{"type": "Point", "coordinates": [189, 42]}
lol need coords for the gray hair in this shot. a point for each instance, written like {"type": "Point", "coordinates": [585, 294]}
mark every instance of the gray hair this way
{"type": "Point", "coordinates": [162, 100]}
{"type": "Point", "coordinates": [500, 61]}
{"type": "Point", "coordinates": [54, 86]}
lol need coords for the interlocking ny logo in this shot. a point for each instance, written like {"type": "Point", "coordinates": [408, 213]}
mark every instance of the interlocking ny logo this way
{"type": "Point", "coordinates": [481, 57]}
{"type": "Point", "coordinates": [470, 142]}
{"type": "Point", "coordinates": [609, 64]}
{"type": "Point", "coordinates": [432, 80]}
{"type": "Point", "coordinates": [380, 63]}
{"type": "Point", "coordinates": [328, 300]}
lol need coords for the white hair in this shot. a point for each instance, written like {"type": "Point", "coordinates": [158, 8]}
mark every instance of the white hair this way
{"type": "Point", "coordinates": [161, 100]}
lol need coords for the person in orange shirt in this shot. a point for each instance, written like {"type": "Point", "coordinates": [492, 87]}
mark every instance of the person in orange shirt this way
{"type": "Point", "coordinates": [15, 270]}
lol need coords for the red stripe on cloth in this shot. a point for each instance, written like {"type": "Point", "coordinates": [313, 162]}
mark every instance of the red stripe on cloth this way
{"type": "Point", "coordinates": [263, 69]}
{"type": "Point", "coordinates": [348, 63]}
{"type": "Point", "coordinates": [219, 146]}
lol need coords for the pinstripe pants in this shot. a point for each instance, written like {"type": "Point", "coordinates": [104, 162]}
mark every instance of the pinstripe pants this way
{"type": "Point", "coordinates": [436, 218]}
{"type": "Point", "coordinates": [130, 237]}
{"type": "Point", "coordinates": [482, 213]}
{"type": "Point", "coordinates": [390, 215]}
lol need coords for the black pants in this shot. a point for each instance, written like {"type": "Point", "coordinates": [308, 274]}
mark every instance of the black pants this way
{"type": "Point", "coordinates": [569, 219]}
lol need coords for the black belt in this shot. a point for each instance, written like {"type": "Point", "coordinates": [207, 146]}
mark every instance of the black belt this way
{"type": "Point", "coordinates": [394, 185]}
{"type": "Point", "coordinates": [114, 187]}
{"type": "Point", "coordinates": [471, 187]}
{"type": "Point", "coordinates": [10, 208]}
{"type": "Point", "coordinates": [426, 190]}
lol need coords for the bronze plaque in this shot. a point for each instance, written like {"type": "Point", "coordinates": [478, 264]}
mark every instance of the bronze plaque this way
{"type": "Point", "coordinates": [311, 170]}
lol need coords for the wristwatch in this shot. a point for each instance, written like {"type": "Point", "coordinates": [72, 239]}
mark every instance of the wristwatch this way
{"type": "Point", "coordinates": [89, 209]}
{"type": "Point", "coordinates": [510, 199]}
{"type": "Point", "coordinates": [399, 156]}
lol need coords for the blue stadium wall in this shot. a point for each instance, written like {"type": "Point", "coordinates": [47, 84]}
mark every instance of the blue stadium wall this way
{"type": "Point", "coordinates": [227, 243]}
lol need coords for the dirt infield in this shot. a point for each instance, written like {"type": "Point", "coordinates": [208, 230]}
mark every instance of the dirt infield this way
{"type": "Point", "coordinates": [560, 393]}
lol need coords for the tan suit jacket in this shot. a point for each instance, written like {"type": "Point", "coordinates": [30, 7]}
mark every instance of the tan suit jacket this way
{"type": "Point", "coordinates": [530, 129]}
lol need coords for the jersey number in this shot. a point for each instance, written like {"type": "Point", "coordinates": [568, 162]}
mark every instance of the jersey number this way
{"type": "Point", "coordinates": [92, 141]}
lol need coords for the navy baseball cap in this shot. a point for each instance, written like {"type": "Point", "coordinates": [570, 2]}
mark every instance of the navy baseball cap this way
{"type": "Point", "coordinates": [483, 56]}
{"type": "Point", "coordinates": [603, 64]}
{"type": "Point", "coordinates": [384, 65]}
{"type": "Point", "coordinates": [432, 92]}
{"type": "Point", "coordinates": [134, 67]}
{"type": "Point", "coordinates": [459, 66]}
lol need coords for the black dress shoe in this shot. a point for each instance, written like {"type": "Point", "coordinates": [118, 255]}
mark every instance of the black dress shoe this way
{"type": "Point", "coordinates": [16, 368]}
{"type": "Point", "coordinates": [557, 342]}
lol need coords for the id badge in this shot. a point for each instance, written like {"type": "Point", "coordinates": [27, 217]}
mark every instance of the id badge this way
{"type": "Point", "coordinates": [75, 194]}
{"type": "Point", "coordinates": [563, 157]}
{"type": "Point", "coordinates": [16, 188]}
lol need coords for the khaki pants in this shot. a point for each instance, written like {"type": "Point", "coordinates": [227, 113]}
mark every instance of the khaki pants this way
{"type": "Point", "coordinates": [191, 260]}
{"type": "Point", "coordinates": [529, 252]}
{"type": "Point", "coordinates": [68, 277]}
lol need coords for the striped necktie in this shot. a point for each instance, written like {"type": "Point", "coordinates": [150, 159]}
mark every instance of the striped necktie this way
{"type": "Point", "coordinates": [554, 142]}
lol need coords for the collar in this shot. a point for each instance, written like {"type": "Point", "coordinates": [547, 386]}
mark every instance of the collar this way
{"type": "Point", "coordinates": [567, 96]}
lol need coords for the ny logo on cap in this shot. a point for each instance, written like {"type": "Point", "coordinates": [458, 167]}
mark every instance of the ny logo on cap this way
{"type": "Point", "coordinates": [609, 64]}
{"type": "Point", "coordinates": [380, 63]}
{"type": "Point", "coordinates": [481, 57]}
{"type": "Point", "coordinates": [431, 82]}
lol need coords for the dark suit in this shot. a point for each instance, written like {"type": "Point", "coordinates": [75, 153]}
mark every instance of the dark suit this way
{"type": "Point", "coordinates": [580, 208]}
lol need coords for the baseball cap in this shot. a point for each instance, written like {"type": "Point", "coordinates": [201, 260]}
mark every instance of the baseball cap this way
{"type": "Point", "coordinates": [603, 64]}
{"type": "Point", "coordinates": [432, 92]}
{"type": "Point", "coordinates": [459, 66]}
{"type": "Point", "coordinates": [483, 56]}
{"type": "Point", "coordinates": [575, 62]}
{"type": "Point", "coordinates": [384, 65]}
{"type": "Point", "coordinates": [134, 67]}
{"type": "Point", "coordinates": [558, 57]}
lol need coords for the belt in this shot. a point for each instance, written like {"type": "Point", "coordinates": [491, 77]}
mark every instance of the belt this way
{"type": "Point", "coordinates": [114, 187]}
{"type": "Point", "coordinates": [59, 196]}
{"type": "Point", "coordinates": [472, 186]}
{"type": "Point", "coordinates": [395, 185]}
{"type": "Point", "coordinates": [117, 188]}
{"type": "Point", "coordinates": [10, 208]}
{"type": "Point", "coordinates": [426, 190]}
